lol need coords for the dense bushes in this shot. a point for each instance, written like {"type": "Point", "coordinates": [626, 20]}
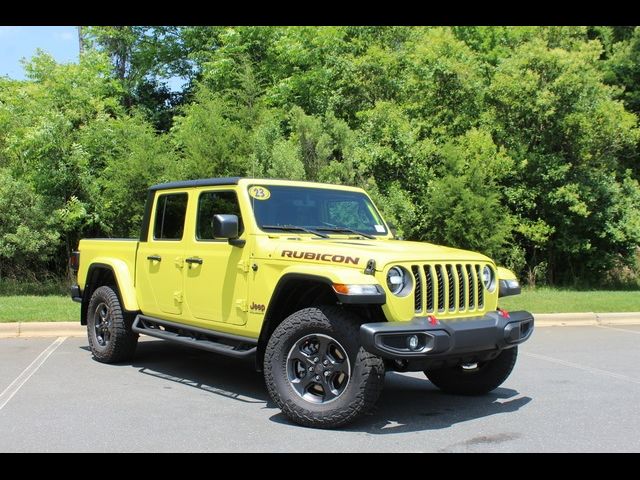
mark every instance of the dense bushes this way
{"type": "Point", "coordinates": [521, 143]}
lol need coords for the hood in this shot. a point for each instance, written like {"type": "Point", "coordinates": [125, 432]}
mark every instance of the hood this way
{"type": "Point", "coordinates": [356, 252]}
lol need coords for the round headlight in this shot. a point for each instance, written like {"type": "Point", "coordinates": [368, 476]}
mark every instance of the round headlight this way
{"type": "Point", "coordinates": [398, 280]}
{"type": "Point", "coordinates": [488, 278]}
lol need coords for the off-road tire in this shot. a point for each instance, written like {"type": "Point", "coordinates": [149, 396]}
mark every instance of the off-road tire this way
{"type": "Point", "coordinates": [366, 370]}
{"type": "Point", "coordinates": [121, 343]}
{"type": "Point", "coordinates": [487, 377]}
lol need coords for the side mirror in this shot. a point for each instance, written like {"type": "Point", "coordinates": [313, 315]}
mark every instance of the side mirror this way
{"type": "Point", "coordinates": [226, 226]}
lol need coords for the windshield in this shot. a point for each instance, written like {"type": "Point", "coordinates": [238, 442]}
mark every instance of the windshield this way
{"type": "Point", "coordinates": [320, 209]}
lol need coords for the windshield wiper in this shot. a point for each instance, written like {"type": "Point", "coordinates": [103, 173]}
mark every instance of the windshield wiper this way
{"type": "Point", "coordinates": [348, 230]}
{"type": "Point", "coordinates": [294, 228]}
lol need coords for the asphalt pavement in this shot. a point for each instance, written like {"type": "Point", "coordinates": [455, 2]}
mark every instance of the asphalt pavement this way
{"type": "Point", "coordinates": [574, 389]}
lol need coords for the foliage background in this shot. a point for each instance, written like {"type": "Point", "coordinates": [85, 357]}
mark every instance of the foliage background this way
{"type": "Point", "coordinates": [519, 142]}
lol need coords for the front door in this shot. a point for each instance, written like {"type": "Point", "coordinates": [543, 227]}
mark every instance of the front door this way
{"type": "Point", "coordinates": [160, 260]}
{"type": "Point", "coordinates": [216, 272]}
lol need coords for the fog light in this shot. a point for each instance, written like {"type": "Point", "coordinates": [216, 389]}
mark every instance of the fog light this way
{"type": "Point", "coordinates": [413, 342]}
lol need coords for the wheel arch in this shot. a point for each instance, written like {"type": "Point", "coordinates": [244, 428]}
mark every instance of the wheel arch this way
{"type": "Point", "coordinates": [295, 291]}
{"type": "Point", "coordinates": [103, 273]}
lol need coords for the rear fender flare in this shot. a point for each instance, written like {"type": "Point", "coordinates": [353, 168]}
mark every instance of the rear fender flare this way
{"type": "Point", "coordinates": [123, 277]}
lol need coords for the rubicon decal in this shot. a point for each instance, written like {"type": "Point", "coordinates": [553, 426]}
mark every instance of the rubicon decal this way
{"type": "Point", "coordinates": [324, 257]}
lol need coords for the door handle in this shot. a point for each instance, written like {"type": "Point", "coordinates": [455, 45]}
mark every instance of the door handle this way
{"type": "Point", "coordinates": [155, 258]}
{"type": "Point", "coordinates": [194, 260]}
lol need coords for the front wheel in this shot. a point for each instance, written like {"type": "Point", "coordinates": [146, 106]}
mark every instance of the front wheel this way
{"type": "Point", "coordinates": [475, 379]}
{"type": "Point", "coordinates": [317, 372]}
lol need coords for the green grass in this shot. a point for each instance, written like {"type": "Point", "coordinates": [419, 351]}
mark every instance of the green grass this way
{"type": "Point", "coordinates": [40, 287]}
{"type": "Point", "coordinates": [55, 308]}
{"type": "Point", "coordinates": [28, 308]}
{"type": "Point", "coordinates": [547, 300]}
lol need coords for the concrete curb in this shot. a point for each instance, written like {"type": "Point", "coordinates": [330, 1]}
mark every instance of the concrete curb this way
{"type": "Point", "coordinates": [622, 318]}
{"type": "Point", "coordinates": [42, 329]}
{"type": "Point", "coordinates": [74, 329]}
{"type": "Point", "coordinates": [9, 330]}
{"type": "Point", "coordinates": [566, 319]}
{"type": "Point", "coordinates": [586, 318]}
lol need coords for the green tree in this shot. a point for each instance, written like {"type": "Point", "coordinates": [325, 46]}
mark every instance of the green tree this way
{"type": "Point", "coordinates": [623, 69]}
{"type": "Point", "coordinates": [59, 134]}
{"type": "Point", "coordinates": [143, 59]}
{"type": "Point", "coordinates": [28, 237]}
{"type": "Point", "coordinates": [132, 157]}
{"type": "Point", "coordinates": [274, 155]}
{"type": "Point", "coordinates": [519, 142]}
{"type": "Point", "coordinates": [210, 139]}
{"type": "Point", "coordinates": [463, 206]}
{"type": "Point", "coordinates": [567, 135]}
{"type": "Point", "coordinates": [443, 89]}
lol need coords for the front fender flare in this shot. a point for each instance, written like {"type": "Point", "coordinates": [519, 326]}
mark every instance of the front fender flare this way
{"type": "Point", "coordinates": [346, 276]}
{"type": "Point", "coordinates": [331, 275]}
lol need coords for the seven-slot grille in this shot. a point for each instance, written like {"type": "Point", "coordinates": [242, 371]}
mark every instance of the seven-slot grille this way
{"type": "Point", "coordinates": [448, 287]}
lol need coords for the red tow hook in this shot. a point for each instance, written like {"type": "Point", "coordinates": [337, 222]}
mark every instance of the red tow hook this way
{"type": "Point", "coordinates": [503, 313]}
{"type": "Point", "coordinates": [432, 319]}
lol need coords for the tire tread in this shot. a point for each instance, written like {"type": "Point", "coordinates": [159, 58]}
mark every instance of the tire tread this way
{"type": "Point", "coordinates": [371, 372]}
{"type": "Point", "coordinates": [123, 341]}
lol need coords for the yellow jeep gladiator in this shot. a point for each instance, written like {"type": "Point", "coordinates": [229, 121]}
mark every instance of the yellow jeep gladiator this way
{"type": "Point", "coordinates": [309, 280]}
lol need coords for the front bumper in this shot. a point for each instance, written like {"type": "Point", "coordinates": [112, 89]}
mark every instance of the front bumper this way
{"type": "Point", "coordinates": [462, 337]}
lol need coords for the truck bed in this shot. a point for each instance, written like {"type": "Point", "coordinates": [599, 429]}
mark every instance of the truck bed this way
{"type": "Point", "coordinates": [93, 249]}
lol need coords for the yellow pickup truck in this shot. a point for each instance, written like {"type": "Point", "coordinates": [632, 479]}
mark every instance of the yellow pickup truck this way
{"type": "Point", "coordinates": [309, 280]}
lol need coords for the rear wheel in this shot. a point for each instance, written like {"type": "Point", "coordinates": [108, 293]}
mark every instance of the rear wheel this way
{"type": "Point", "coordinates": [317, 372]}
{"type": "Point", "coordinates": [475, 379]}
{"type": "Point", "coordinates": [109, 331]}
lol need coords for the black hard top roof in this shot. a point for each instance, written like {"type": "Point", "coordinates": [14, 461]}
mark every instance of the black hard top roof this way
{"type": "Point", "coordinates": [202, 182]}
{"type": "Point", "coordinates": [208, 182]}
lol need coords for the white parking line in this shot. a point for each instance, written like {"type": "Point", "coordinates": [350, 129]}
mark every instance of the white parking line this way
{"type": "Point", "coordinates": [13, 388]}
{"type": "Point", "coordinates": [597, 371]}
{"type": "Point", "coordinates": [637, 332]}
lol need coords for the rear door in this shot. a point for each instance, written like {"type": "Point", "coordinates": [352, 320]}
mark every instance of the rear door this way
{"type": "Point", "coordinates": [160, 262]}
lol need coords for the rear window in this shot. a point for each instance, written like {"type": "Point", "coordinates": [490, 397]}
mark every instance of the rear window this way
{"type": "Point", "coordinates": [170, 214]}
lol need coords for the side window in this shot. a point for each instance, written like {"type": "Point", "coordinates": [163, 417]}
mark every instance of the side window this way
{"type": "Point", "coordinates": [170, 214]}
{"type": "Point", "coordinates": [214, 203]}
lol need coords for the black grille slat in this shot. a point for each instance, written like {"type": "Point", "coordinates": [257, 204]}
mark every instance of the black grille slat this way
{"type": "Point", "coordinates": [429, 287]}
{"type": "Point", "coordinates": [451, 284]}
{"type": "Point", "coordinates": [418, 290]}
{"type": "Point", "coordinates": [462, 292]}
{"type": "Point", "coordinates": [480, 286]}
{"type": "Point", "coordinates": [440, 279]}
{"type": "Point", "coordinates": [472, 287]}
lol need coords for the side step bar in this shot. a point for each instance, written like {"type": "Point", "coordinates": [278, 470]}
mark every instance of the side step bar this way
{"type": "Point", "coordinates": [217, 342]}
